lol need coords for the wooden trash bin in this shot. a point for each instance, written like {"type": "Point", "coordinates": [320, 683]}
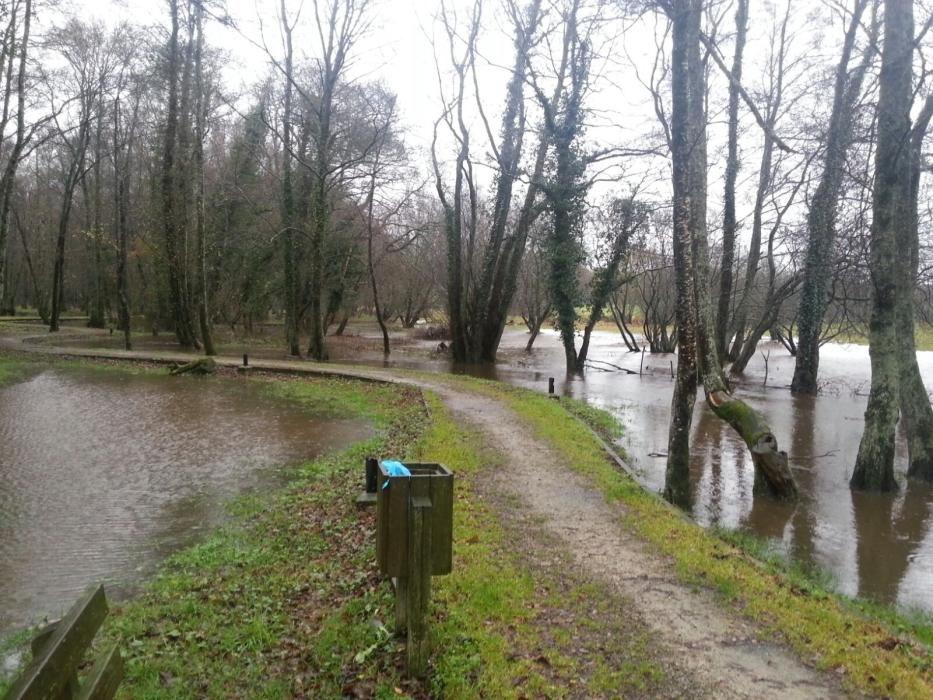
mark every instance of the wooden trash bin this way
{"type": "Point", "coordinates": [432, 481]}
{"type": "Point", "coordinates": [414, 541]}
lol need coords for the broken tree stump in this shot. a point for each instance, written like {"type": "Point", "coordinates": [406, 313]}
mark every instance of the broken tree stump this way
{"type": "Point", "coordinates": [203, 365]}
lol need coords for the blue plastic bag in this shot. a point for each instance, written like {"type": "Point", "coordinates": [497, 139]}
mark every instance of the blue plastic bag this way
{"type": "Point", "coordinates": [394, 468]}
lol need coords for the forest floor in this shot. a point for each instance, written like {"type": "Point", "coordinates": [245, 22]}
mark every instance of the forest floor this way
{"type": "Point", "coordinates": [569, 580]}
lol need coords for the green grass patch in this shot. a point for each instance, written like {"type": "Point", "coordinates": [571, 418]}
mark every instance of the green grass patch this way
{"type": "Point", "coordinates": [334, 397]}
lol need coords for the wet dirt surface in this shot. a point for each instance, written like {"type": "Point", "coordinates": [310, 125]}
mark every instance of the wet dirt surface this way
{"type": "Point", "coordinates": [103, 474]}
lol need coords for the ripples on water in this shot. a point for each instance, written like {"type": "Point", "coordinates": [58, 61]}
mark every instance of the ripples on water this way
{"type": "Point", "coordinates": [103, 474]}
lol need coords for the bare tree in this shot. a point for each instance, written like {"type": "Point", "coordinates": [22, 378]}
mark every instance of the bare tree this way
{"type": "Point", "coordinates": [821, 219]}
{"type": "Point", "coordinates": [732, 168]}
{"type": "Point", "coordinates": [697, 353]}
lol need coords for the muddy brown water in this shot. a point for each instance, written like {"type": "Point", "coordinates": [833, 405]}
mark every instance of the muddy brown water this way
{"type": "Point", "coordinates": [876, 546]}
{"type": "Point", "coordinates": [103, 474]}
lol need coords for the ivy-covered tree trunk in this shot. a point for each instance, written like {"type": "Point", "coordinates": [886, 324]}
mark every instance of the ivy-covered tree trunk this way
{"type": "Point", "coordinates": [566, 188]}
{"type": "Point", "coordinates": [821, 219]}
{"type": "Point", "coordinates": [874, 465]}
{"type": "Point", "coordinates": [916, 411]}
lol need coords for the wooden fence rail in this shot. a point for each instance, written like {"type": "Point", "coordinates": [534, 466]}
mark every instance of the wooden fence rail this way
{"type": "Point", "coordinates": [57, 653]}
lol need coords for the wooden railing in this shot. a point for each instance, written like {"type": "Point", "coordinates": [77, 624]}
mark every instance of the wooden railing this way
{"type": "Point", "coordinates": [58, 651]}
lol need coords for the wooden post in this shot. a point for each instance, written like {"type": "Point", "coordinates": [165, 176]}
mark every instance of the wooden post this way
{"type": "Point", "coordinates": [372, 471]}
{"type": "Point", "coordinates": [419, 584]}
{"type": "Point", "coordinates": [401, 605]}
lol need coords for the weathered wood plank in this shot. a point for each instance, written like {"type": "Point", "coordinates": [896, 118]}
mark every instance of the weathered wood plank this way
{"type": "Point", "coordinates": [105, 677]}
{"type": "Point", "coordinates": [51, 671]}
{"type": "Point", "coordinates": [419, 582]}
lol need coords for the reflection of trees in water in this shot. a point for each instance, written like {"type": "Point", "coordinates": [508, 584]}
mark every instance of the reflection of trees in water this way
{"type": "Point", "coordinates": [769, 518]}
{"type": "Point", "coordinates": [802, 445]}
{"type": "Point", "coordinates": [719, 480]}
{"type": "Point", "coordinates": [889, 530]}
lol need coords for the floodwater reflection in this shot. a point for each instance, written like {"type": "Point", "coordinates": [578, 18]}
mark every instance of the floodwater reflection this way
{"type": "Point", "coordinates": [103, 474]}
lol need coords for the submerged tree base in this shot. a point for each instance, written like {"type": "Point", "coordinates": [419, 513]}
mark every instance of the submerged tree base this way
{"type": "Point", "coordinates": [773, 476]}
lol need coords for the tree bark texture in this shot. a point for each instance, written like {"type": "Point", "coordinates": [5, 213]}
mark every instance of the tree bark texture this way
{"type": "Point", "coordinates": [916, 410]}
{"type": "Point", "coordinates": [685, 18]}
{"type": "Point", "coordinates": [874, 465]}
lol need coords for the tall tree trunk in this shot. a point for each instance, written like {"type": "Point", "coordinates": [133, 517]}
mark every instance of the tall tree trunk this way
{"type": "Point", "coordinates": [686, 18]}
{"type": "Point", "coordinates": [732, 169]}
{"type": "Point", "coordinates": [774, 100]}
{"type": "Point", "coordinates": [370, 203]}
{"type": "Point", "coordinates": [821, 219]}
{"type": "Point", "coordinates": [201, 108]}
{"type": "Point", "coordinates": [688, 153]}
{"type": "Point", "coordinates": [42, 306]}
{"type": "Point", "coordinates": [121, 168]}
{"type": "Point", "coordinates": [73, 177]}
{"type": "Point", "coordinates": [172, 209]}
{"type": "Point", "coordinates": [508, 156]}
{"type": "Point", "coordinates": [98, 306]}
{"type": "Point", "coordinates": [874, 465]}
{"type": "Point", "coordinates": [7, 181]}
{"type": "Point", "coordinates": [288, 198]}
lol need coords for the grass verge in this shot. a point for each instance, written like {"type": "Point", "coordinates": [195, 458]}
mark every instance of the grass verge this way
{"type": "Point", "coordinates": [873, 649]}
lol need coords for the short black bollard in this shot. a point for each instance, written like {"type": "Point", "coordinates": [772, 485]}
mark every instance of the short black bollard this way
{"type": "Point", "coordinates": [550, 385]}
{"type": "Point", "coordinates": [372, 469]}
{"type": "Point", "coordinates": [371, 481]}
{"type": "Point", "coordinates": [245, 360]}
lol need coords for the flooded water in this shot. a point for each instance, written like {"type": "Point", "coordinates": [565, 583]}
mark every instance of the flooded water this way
{"type": "Point", "coordinates": [875, 546]}
{"type": "Point", "coordinates": [103, 474]}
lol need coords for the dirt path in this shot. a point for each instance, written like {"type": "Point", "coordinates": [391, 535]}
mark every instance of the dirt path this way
{"type": "Point", "coordinates": [721, 651]}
